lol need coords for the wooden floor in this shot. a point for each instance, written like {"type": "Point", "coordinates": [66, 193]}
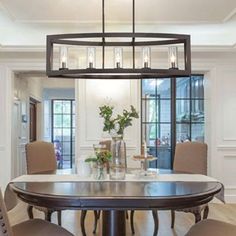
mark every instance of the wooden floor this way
{"type": "Point", "coordinates": [143, 220]}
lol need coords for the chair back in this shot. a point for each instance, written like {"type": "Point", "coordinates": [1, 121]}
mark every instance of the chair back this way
{"type": "Point", "coordinates": [40, 157]}
{"type": "Point", "coordinates": [5, 228]}
{"type": "Point", "coordinates": [106, 144]}
{"type": "Point", "coordinates": [191, 157]}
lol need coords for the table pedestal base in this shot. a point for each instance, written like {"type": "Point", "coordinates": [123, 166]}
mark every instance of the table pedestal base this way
{"type": "Point", "coordinates": [113, 223]}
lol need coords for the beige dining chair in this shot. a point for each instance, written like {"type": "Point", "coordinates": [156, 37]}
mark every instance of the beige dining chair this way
{"type": "Point", "coordinates": [33, 227]}
{"type": "Point", "coordinates": [212, 227]}
{"type": "Point", "coordinates": [191, 157]}
{"type": "Point", "coordinates": [40, 157]}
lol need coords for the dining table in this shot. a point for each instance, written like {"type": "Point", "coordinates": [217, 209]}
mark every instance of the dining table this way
{"type": "Point", "coordinates": [67, 190]}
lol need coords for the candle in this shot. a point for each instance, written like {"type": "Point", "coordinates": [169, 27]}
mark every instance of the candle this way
{"type": "Point", "coordinates": [118, 57]}
{"type": "Point", "coordinates": [90, 60]}
{"type": "Point", "coordinates": [63, 58]}
{"type": "Point", "coordinates": [63, 62]}
{"type": "Point", "coordinates": [117, 60]}
{"type": "Point", "coordinates": [145, 62]}
{"type": "Point", "coordinates": [146, 57]}
{"type": "Point", "coordinates": [145, 149]}
{"type": "Point", "coordinates": [91, 57]}
{"type": "Point", "coordinates": [173, 61]}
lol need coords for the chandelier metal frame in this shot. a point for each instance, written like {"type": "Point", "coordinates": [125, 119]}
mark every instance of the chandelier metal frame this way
{"type": "Point", "coordinates": [136, 40]}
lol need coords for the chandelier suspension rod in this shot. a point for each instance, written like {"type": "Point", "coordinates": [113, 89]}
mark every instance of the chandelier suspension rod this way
{"type": "Point", "coordinates": [133, 40]}
{"type": "Point", "coordinates": [103, 31]}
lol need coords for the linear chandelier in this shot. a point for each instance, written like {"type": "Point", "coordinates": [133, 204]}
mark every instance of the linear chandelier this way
{"type": "Point", "coordinates": [96, 48]}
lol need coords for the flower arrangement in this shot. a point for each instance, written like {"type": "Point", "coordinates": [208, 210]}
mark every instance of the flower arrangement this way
{"type": "Point", "coordinates": [116, 125]}
{"type": "Point", "coordinates": [101, 157]}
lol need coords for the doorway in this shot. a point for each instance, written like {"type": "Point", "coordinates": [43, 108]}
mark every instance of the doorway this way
{"type": "Point", "coordinates": [63, 131]}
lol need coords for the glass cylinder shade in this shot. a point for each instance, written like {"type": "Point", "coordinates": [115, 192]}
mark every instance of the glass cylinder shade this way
{"type": "Point", "coordinates": [63, 58]}
{"type": "Point", "coordinates": [91, 57]}
{"type": "Point", "coordinates": [118, 57]}
{"type": "Point", "coordinates": [173, 57]}
{"type": "Point", "coordinates": [118, 162]}
{"type": "Point", "coordinates": [146, 57]}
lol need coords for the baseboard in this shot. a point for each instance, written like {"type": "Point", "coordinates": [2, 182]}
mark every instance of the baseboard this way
{"type": "Point", "coordinates": [230, 199]}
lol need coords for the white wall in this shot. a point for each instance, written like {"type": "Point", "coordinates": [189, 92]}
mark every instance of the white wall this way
{"type": "Point", "coordinates": [94, 93]}
{"type": "Point", "coordinates": [24, 89]}
{"type": "Point", "coordinates": [220, 72]}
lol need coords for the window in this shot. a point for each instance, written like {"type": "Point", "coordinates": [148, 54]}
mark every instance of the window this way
{"type": "Point", "coordinates": [190, 109]}
{"type": "Point", "coordinates": [172, 111]}
{"type": "Point", "coordinates": [63, 131]}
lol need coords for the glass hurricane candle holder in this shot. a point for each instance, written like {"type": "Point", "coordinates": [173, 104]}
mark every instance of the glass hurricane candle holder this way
{"type": "Point", "coordinates": [146, 57]}
{"type": "Point", "coordinates": [118, 58]}
{"type": "Point", "coordinates": [173, 57]}
{"type": "Point", "coordinates": [91, 57]}
{"type": "Point", "coordinates": [63, 62]}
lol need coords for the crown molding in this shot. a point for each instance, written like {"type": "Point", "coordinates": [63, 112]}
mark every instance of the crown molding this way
{"type": "Point", "coordinates": [7, 11]}
{"type": "Point", "coordinates": [229, 16]}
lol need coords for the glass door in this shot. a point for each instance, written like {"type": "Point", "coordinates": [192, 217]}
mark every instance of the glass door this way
{"type": "Point", "coordinates": [156, 120]}
{"type": "Point", "coordinates": [172, 112]}
{"type": "Point", "coordinates": [63, 131]}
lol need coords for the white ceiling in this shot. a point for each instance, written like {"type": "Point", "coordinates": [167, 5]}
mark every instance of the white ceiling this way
{"type": "Point", "coordinates": [27, 22]}
{"type": "Point", "coordinates": [162, 11]}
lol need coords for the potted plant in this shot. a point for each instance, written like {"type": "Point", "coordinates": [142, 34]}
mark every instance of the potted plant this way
{"type": "Point", "coordinates": [115, 126]}
{"type": "Point", "coordinates": [100, 161]}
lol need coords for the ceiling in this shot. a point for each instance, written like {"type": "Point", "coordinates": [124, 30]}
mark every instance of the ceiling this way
{"type": "Point", "coordinates": [210, 22]}
{"type": "Point", "coordinates": [162, 11]}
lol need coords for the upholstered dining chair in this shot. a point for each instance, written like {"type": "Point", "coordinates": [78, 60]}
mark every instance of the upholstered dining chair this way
{"type": "Point", "coordinates": [191, 157]}
{"type": "Point", "coordinates": [212, 227]}
{"type": "Point", "coordinates": [33, 227]}
{"type": "Point", "coordinates": [40, 157]}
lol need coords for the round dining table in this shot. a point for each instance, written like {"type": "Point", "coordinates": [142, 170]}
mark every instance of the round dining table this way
{"type": "Point", "coordinates": [114, 198]}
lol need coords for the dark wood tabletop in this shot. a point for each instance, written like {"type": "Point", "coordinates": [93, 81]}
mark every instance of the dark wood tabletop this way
{"type": "Point", "coordinates": [114, 197]}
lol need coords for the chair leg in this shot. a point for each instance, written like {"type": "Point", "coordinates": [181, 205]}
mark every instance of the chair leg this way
{"type": "Point", "coordinates": [156, 222]}
{"type": "Point", "coordinates": [205, 212]}
{"type": "Point", "coordinates": [30, 211]}
{"type": "Point", "coordinates": [96, 218]}
{"type": "Point", "coordinates": [48, 216]}
{"type": "Point", "coordinates": [99, 213]}
{"type": "Point", "coordinates": [59, 217]}
{"type": "Point", "coordinates": [172, 219]}
{"type": "Point", "coordinates": [127, 215]}
{"type": "Point", "coordinates": [82, 221]}
{"type": "Point", "coordinates": [132, 221]}
{"type": "Point", "coordinates": [197, 217]}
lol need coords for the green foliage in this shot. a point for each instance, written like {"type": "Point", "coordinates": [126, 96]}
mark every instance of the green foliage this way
{"type": "Point", "coordinates": [120, 122]}
{"type": "Point", "coordinates": [101, 157]}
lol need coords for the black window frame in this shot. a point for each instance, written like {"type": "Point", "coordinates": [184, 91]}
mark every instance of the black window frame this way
{"type": "Point", "coordinates": [173, 121]}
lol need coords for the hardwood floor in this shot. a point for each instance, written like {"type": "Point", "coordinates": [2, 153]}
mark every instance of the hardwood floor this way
{"type": "Point", "coordinates": [143, 220]}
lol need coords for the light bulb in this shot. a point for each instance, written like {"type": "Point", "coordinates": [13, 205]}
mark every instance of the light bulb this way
{"type": "Point", "coordinates": [173, 57]}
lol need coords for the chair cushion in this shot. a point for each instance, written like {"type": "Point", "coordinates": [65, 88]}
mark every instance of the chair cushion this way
{"type": "Point", "coordinates": [212, 227]}
{"type": "Point", "coordinates": [38, 227]}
